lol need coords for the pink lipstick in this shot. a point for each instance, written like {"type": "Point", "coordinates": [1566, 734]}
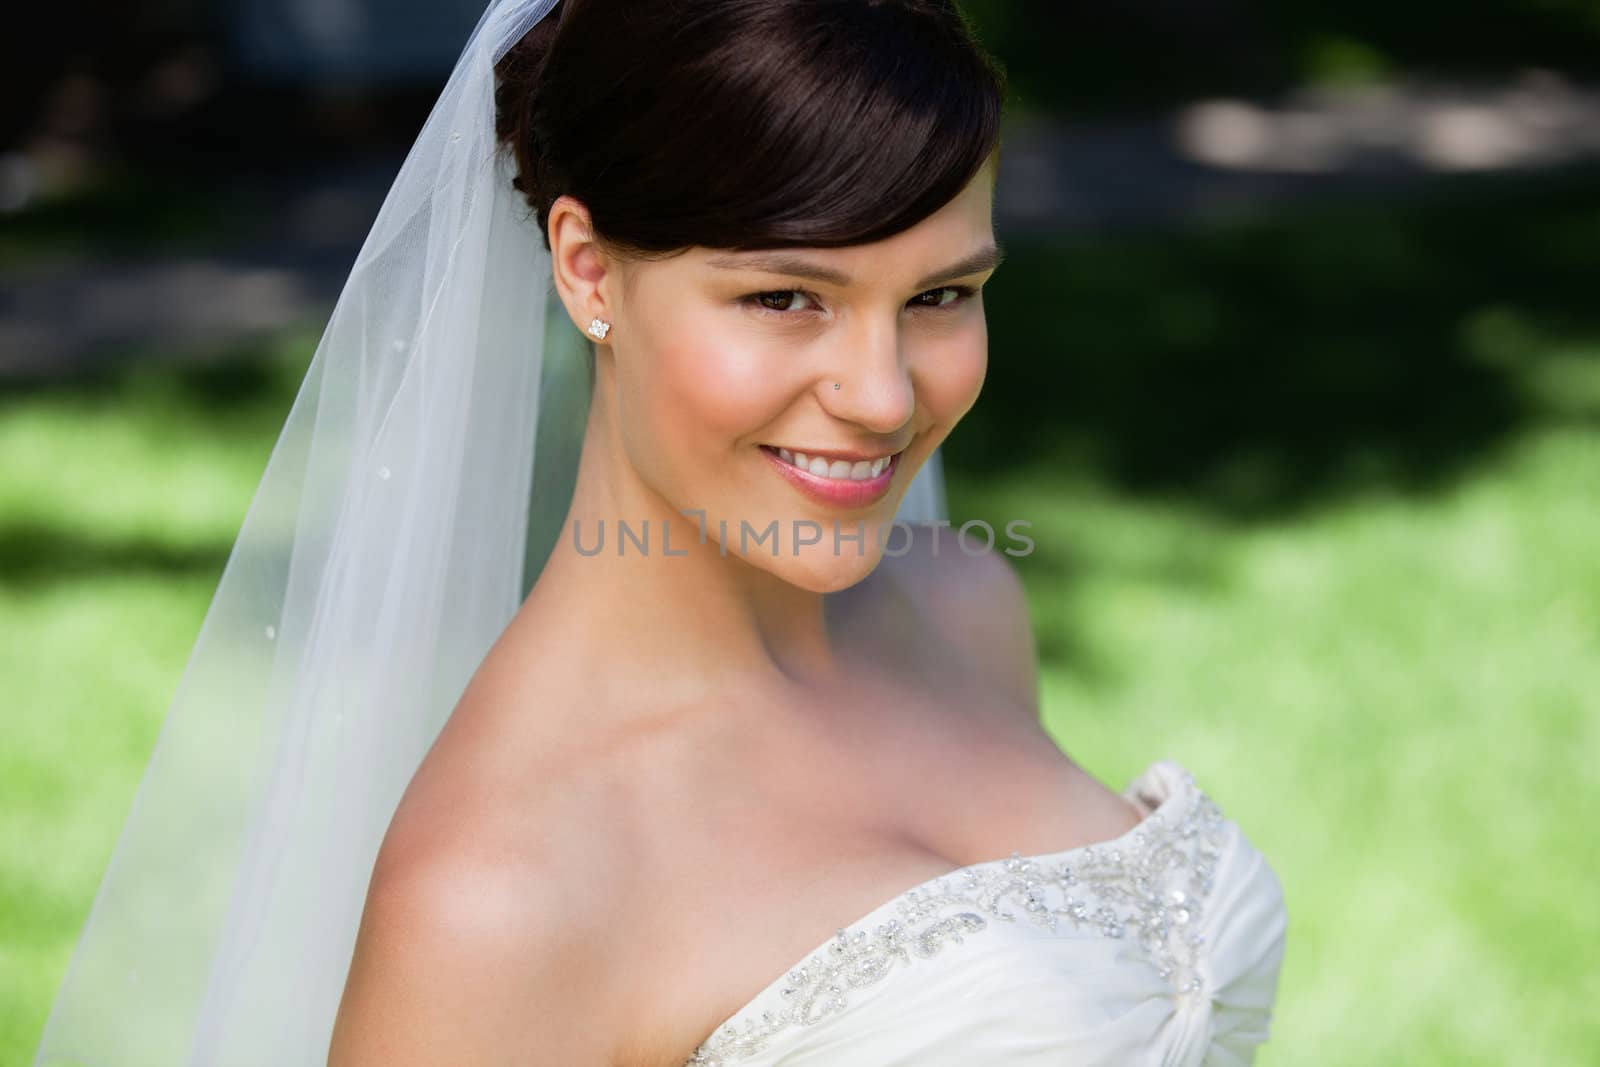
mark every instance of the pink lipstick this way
{"type": "Point", "coordinates": [836, 492]}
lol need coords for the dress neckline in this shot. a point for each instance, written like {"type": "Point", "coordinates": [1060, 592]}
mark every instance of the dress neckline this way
{"type": "Point", "coordinates": [1164, 788]}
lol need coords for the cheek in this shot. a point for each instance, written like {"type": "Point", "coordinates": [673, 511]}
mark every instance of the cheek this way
{"type": "Point", "coordinates": [950, 370]}
{"type": "Point", "coordinates": [701, 387]}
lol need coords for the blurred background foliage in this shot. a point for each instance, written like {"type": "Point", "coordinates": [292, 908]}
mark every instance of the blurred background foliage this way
{"type": "Point", "coordinates": [1083, 56]}
{"type": "Point", "coordinates": [1312, 481]}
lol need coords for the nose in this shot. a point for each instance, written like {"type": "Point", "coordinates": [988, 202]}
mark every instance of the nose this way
{"type": "Point", "coordinates": [876, 390]}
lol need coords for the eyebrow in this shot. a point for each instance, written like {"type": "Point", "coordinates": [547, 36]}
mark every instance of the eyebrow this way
{"type": "Point", "coordinates": [983, 259]}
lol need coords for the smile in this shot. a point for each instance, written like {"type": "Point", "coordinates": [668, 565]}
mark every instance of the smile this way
{"type": "Point", "coordinates": [837, 480]}
{"type": "Point", "coordinates": [837, 469]}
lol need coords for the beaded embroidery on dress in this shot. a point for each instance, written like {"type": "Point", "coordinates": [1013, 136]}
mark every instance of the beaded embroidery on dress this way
{"type": "Point", "coordinates": [1160, 946]}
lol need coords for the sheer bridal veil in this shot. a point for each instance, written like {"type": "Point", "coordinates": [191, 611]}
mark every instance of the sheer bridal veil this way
{"type": "Point", "coordinates": [421, 477]}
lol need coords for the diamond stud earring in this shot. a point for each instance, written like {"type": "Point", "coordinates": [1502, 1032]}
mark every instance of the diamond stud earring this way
{"type": "Point", "coordinates": [599, 328]}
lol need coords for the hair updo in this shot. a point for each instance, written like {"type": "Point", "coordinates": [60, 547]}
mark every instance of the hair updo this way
{"type": "Point", "coordinates": [743, 124]}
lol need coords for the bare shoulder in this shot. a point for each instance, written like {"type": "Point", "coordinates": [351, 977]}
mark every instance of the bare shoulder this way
{"type": "Point", "coordinates": [476, 945]}
{"type": "Point", "coordinates": [975, 601]}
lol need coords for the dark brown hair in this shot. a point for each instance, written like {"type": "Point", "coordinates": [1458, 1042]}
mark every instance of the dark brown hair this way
{"type": "Point", "coordinates": [744, 124]}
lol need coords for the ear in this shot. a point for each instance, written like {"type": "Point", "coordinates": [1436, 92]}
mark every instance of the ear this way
{"type": "Point", "coordinates": [584, 274]}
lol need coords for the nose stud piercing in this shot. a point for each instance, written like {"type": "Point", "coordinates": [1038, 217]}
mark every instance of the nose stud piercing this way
{"type": "Point", "coordinates": [599, 328]}
{"type": "Point", "coordinates": [836, 385]}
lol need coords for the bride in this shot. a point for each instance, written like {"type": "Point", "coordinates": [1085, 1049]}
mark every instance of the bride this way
{"type": "Point", "coordinates": [754, 773]}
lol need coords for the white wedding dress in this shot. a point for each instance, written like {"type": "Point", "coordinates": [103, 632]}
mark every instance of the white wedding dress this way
{"type": "Point", "coordinates": [1161, 946]}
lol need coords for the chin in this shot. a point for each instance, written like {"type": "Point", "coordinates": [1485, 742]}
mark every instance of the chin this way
{"type": "Point", "coordinates": [817, 570]}
{"type": "Point", "coordinates": [825, 567]}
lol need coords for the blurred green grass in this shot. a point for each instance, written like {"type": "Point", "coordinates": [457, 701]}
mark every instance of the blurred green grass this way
{"type": "Point", "coordinates": [1313, 501]}
{"type": "Point", "coordinates": [120, 495]}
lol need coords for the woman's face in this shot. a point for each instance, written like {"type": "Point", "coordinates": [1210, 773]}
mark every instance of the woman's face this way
{"type": "Point", "coordinates": [725, 367]}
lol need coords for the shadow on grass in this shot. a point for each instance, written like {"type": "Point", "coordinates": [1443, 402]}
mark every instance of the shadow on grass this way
{"type": "Point", "coordinates": [1255, 374]}
{"type": "Point", "coordinates": [35, 554]}
{"type": "Point", "coordinates": [1252, 371]}
{"type": "Point", "coordinates": [256, 377]}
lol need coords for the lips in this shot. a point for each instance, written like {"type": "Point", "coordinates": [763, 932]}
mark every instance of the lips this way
{"type": "Point", "coordinates": [844, 492]}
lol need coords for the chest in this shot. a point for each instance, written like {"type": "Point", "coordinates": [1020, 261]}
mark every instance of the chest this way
{"type": "Point", "coordinates": [833, 830]}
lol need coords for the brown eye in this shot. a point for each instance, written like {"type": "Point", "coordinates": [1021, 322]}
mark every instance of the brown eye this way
{"type": "Point", "coordinates": [780, 301]}
{"type": "Point", "coordinates": [943, 297]}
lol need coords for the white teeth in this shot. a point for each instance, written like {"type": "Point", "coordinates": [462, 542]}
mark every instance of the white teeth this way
{"type": "Point", "coordinates": [839, 469]}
